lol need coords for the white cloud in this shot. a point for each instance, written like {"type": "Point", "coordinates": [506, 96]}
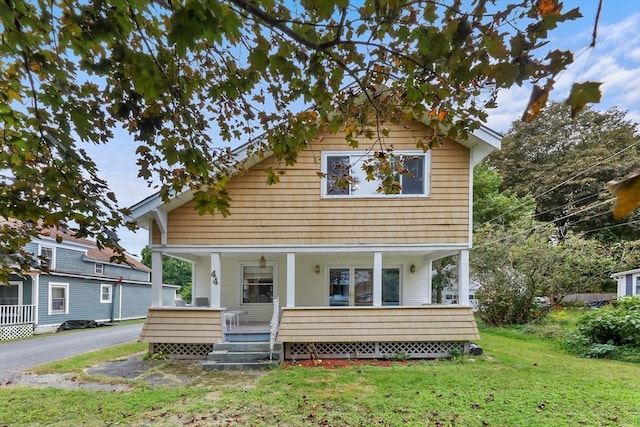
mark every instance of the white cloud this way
{"type": "Point", "coordinates": [614, 61]}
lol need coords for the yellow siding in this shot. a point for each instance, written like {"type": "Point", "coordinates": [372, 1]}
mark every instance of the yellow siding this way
{"type": "Point", "coordinates": [293, 211]}
{"type": "Point", "coordinates": [377, 324]}
{"type": "Point", "coordinates": [182, 326]}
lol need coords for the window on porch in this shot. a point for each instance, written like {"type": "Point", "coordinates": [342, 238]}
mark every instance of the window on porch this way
{"type": "Point", "coordinates": [10, 295]}
{"type": "Point", "coordinates": [345, 291]}
{"type": "Point", "coordinates": [257, 284]}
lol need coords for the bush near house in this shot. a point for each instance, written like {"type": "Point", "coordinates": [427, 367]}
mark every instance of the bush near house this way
{"type": "Point", "coordinates": [610, 332]}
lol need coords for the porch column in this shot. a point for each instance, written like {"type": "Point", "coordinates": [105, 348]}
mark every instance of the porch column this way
{"type": "Point", "coordinates": [377, 279]}
{"type": "Point", "coordinates": [156, 279]}
{"type": "Point", "coordinates": [35, 297]}
{"type": "Point", "coordinates": [215, 284]}
{"type": "Point", "coordinates": [291, 279]}
{"type": "Point", "coordinates": [429, 299]}
{"type": "Point", "coordinates": [463, 277]}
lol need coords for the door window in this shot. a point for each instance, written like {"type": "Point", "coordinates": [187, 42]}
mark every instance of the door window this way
{"type": "Point", "coordinates": [339, 281]}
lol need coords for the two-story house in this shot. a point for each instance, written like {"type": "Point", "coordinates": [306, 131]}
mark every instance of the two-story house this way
{"type": "Point", "coordinates": [345, 272]}
{"type": "Point", "coordinates": [80, 283]}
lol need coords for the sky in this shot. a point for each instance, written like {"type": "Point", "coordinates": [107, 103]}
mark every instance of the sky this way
{"type": "Point", "coordinates": [615, 61]}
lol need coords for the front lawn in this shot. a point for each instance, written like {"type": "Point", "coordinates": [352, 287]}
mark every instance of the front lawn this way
{"type": "Point", "coordinates": [521, 380]}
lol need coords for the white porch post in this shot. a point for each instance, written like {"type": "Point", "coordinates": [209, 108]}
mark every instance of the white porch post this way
{"type": "Point", "coordinates": [377, 279]}
{"type": "Point", "coordinates": [463, 277]}
{"type": "Point", "coordinates": [35, 298]}
{"type": "Point", "coordinates": [156, 279]}
{"type": "Point", "coordinates": [291, 279]}
{"type": "Point", "coordinates": [429, 299]}
{"type": "Point", "coordinates": [215, 283]}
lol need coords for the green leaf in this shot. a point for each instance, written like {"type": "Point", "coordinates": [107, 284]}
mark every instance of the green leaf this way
{"type": "Point", "coordinates": [583, 94]}
{"type": "Point", "coordinates": [258, 60]}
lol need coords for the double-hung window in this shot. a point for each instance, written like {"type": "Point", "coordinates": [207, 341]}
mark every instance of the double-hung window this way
{"type": "Point", "coordinates": [46, 257]}
{"type": "Point", "coordinates": [106, 292]}
{"type": "Point", "coordinates": [58, 298]}
{"type": "Point", "coordinates": [346, 175]}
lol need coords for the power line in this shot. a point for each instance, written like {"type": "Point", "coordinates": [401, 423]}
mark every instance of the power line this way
{"type": "Point", "coordinates": [545, 224]}
{"type": "Point", "coordinates": [637, 221]}
{"type": "Point", "coordinates": [565, 181]}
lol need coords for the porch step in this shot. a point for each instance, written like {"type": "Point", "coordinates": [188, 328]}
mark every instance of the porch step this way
{"type": "Point", "coordinates": [243, 355]}
{"type": "Point", "coordinates": [244, 336]}
{"type": "Point", "coordinates": [239, 346]}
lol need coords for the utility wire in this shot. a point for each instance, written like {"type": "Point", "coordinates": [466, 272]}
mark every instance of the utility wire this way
{"type": "Point", "coordinates": [510, 236]}
{"type": "Point", "coordinates": [565, 181]}
{"type": "Point", "coordinates": [572, 202]}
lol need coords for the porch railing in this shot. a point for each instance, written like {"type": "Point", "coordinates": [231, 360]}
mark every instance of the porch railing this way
{"type": "Point", "coordinates": [17, 314]}
{"type": "Point", "coordinates": [273, 326]}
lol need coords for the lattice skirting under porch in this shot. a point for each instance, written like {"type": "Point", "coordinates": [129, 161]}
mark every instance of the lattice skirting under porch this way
{"type": "Point", "coordinates": [14, 332]}
{"type": "Point", "coordinates": [181, 351]}
{"type": "Point", "coordinates": [373, 350]}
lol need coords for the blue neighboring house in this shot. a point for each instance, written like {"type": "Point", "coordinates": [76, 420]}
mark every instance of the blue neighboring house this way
{"type": "Point", "coordinates": [628, 282]}
{"type": "Point", "coordinates": [81, 284]}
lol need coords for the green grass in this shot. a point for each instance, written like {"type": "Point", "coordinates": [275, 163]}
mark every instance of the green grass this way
{"type": "Point", "coordinates": [87, 360]}
{"type": "Point", "coordinates": [521, 380]}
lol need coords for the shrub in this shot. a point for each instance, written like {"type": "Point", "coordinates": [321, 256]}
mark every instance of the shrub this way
{"type": "Point", "coordinates": [608, 331]}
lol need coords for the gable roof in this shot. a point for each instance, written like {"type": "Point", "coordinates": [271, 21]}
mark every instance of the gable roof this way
{"type": "Point", "coordinates": [480, 143]}
{"type": "Point", "coordinates": [93, 253]}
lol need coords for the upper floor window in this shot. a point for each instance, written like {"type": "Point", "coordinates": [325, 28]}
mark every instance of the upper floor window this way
{"type": "Point", "coordinates": [46, 257]}
{"type": "Point", "coordinates": [346, 175]}
{"type": "Point", "coordinates": [99, 268]}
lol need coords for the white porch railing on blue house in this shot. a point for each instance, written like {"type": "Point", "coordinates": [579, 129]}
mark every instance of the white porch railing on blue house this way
{"type": "Point", "coordinates": [16, 321]}
{"type": "Point", "coordinates": [17, 314]}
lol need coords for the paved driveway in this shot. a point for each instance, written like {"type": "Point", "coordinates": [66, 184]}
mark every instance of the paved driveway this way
{"type": "Point", "coordinates": [16, 356]}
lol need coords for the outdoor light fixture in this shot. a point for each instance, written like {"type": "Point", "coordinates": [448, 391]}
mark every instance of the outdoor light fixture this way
{"type": "Point", "coordinates": [317, 268]}
{"type": "Point", "coordinates": [412, 268]}
{"type": "Point", "coordinates": [262, 262]}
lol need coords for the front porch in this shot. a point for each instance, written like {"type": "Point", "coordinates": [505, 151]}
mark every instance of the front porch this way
{"type": "Point", "coordinates": [16, 321]}
{"type": "Point", "coordinates": [324, 332]}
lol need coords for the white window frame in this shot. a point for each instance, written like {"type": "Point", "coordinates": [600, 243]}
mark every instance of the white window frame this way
{"type": "Point", "coordinates": [102, 288]}
{"type": "Point", "coordinates": [52, 260]}
{"type": "Point", "coordinates": [352, 268]}
{"type": "Point", "coordinates": [64, 286]}
{"type": "Point", "coordinates": [19, 285]}
{"type": "Point", "coordinates": [274, 266]}
{"type": "Point", "coordinates": [364, 155]}
{"type": "Point", "coordinates": [98, 268]}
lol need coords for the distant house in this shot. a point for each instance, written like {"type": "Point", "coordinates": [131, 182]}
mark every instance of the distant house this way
{"type": "Point", "coordinates": [81, 284]}
{"type": "Point", "coordinates": [351, 266]}
{"type": "Point", "coordinates": [628, 282]}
